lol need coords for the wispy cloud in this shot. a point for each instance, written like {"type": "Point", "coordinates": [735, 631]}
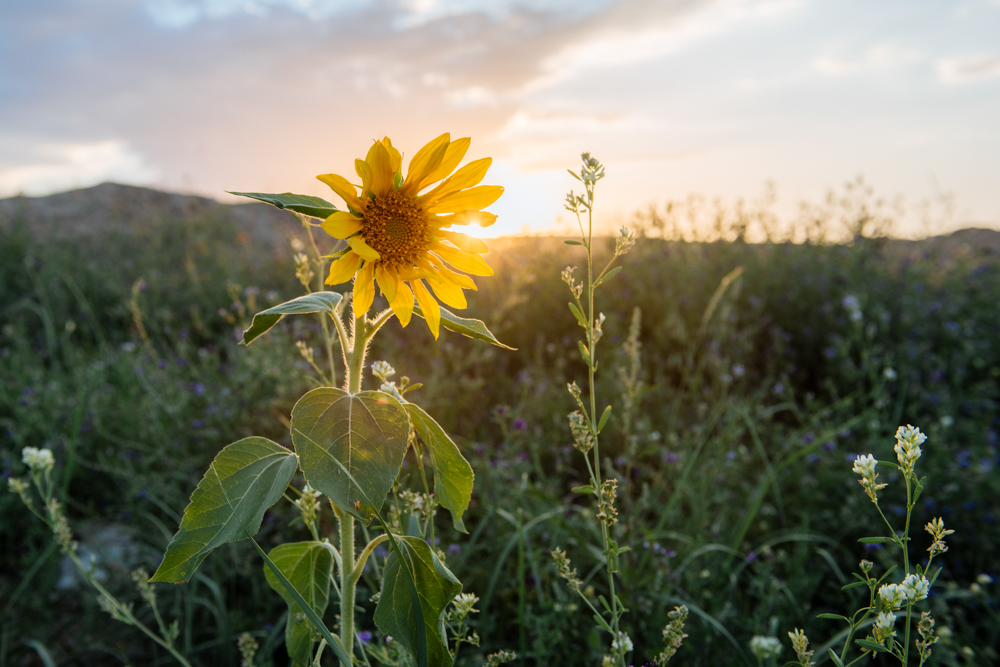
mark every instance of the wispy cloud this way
{"type": "Point", "coordinates": [967, 69]}
{"type": "Point", "coordinates": [878, 58]}
{"type": "Point", "coordinates": [42, 167]}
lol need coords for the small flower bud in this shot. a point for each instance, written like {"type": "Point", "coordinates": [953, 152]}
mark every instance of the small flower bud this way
{"type": "Point", "coordinates": [565, 569]}
{"type": "Point", "coordinates": [800, 643]}
{"type": "Point", "coordinates": [625, 241]}
{"type": "Point", "coordinates": [583, 437]}
{"type": "Point", "coordinates": [303, 269]}
{"type": "Point", "coordinates": [382, 370]}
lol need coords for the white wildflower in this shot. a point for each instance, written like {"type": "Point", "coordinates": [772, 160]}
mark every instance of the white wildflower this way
{"type": "Point", "coordinates": [622, 643]}
{"type": "Point", "coordinates": [885, 621]}
{"type": "Point", "coordinates": [892, 596]}
{"type": "Point", "coordinates": [865, 465]}
{"type": "Point", "coordinates": [765, 647]}
{"type": "Point", "coordinates": [915, 587]}
{"type": "Point", "coordinates": [40, 460]}
{"type": "Point", "coordinates": [908, 441]}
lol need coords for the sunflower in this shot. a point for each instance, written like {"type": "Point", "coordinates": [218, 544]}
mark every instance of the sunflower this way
{"type": "Point", "coordinates": [398, 236]}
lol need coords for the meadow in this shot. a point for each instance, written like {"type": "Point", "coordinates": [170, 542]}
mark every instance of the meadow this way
{"type": "Point", "coordinates": [739, 406]}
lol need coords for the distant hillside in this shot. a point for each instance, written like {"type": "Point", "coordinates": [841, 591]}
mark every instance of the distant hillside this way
{"type": "Point", "coordinates": [114, 207]}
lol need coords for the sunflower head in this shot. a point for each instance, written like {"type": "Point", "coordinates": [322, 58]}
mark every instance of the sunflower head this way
{"type": "Point", "coordinates": [398, 230]}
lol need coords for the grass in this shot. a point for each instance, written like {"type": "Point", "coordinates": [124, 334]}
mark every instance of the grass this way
{"type": "Point", "coordinates": [736, 492]}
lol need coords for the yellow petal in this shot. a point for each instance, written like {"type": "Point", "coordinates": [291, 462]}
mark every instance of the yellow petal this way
{"type": "Point", "coordinates": [428, 306]}
{"type": "Point", "coordinates": [424, 163]}
{"type": "Point", "coordinates": [381, 165]}
{"type": "Point", "coordinates": [343, 269]}
{"type": "Point", "coordinates": [386, 281]}
{"type": "Point", "coordinates": [343, 187]}
{"type": "Point", "coordinates": [402, 303]}
{"type": "Point", "coordinates": [427, 269]}
{"type": "Point", "coordinates": [450, 293]}
{"type": "Point", "coordinates": [464, 241]}
{"type": "Point", "coordinates": [364, 290]}
{"type": "Point", "coordinates": [463, 261]}
{"type": "Point", "coordinates": [472, 199]}
{"type": "Point", "coordinates": [481, 218]}
{"type": "Point", "coordinates": [460, 279]}
{"type": "Point", "coordinates": [395, 157]}
{"type": "Point", "coordinates": [365, 172]}
{"type": "Point", "coordinates": [466, 177]}
{"type": "Point", "coordinates": [342, 224]}
{"type": "Point", "coordinates": [359, 246]}
{"type": "Point", "coordinates": [456, 151]}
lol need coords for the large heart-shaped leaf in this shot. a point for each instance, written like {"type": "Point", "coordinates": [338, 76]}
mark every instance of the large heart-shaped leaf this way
{"type": "Point", "coordinates": [308, 567]}
{"type": "Point", "coordinates": [316, 207]}
{"type": "Point", "coordinates": [395, 614]}
{"type": "Point", "coordinates": [467, 327]}
{"type": "Point", "coordinates": [350, 446]}
{"type": "Point", "coordinates": [253, 474]}
{"type": "Point", "coordinates": [316, 302]}
{"type": "Point", "coordinates": [453, 476]}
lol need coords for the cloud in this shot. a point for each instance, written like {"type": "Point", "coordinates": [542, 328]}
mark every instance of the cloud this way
{"type": "Point", "coordinates": [43, 167]}
{"type": "Point", "coordinates": [881, 57]}
{"type": "Point", "coordinates": [966, 69]}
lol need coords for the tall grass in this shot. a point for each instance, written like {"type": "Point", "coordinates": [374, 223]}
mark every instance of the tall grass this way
{"type": "Point", "coordinates": [733, 464]}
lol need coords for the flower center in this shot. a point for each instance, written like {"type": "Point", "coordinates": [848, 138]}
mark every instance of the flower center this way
{"type": "Point", "coordinates": [396, 227]}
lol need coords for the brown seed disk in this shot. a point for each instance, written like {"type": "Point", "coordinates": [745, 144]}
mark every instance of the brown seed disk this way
{"type": "Point", "coordinates": [396, 227]}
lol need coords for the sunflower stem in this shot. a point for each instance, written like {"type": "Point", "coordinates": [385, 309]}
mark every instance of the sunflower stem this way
{"type": "Point", "coordinates": [355, 368]}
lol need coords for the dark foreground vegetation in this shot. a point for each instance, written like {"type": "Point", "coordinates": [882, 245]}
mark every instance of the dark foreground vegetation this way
{"type": "Point", "coordinates": [120, 353]}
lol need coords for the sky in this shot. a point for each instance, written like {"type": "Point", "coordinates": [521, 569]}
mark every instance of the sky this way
{"type": "Point", "coordinates": [714, 97]}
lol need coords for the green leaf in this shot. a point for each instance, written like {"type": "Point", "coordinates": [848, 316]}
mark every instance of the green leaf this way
{"type": "Point", "coordinates": [584, 352]}
{"type": "Point", "coordinates": [836, 659]}
{"type": "Point", "coordinates": [835, 617]}
{"type": "Point", "coordinates": [350, 447]}
{"type": "Point", "coordinates": [871, 646]}
{"type": "Point", "coordinates": [316, 207]}
{"type": "Point", "coordinates": [252, 474]}
{"type": "Point", "coordinates": [573, 242]}
{"type": "Point", "coordinates": [875, 540]}
{"type": "Point", "coordinates": [854, 585]}
{"type": "Point", "coordinates": [583, 489]}
{"type": "Point", "coordinates": [395, 614]}
{"type": "Point", "coordinates": [577, 314]}
{"type": "Point", "coordinates": [331, 640]}
{"type": "Point", "coordinates": [608, 276]}
{"type": "Point", "coordinates": [467, 327]}
{"type": "Point", "coordinates": [453, 476]}
{"type": "Point", "coordinates": [308, 567]}
{"type": "Point", "coordinates": [310, 303]}
{"type": "Point", "coordinates": [604, 419]}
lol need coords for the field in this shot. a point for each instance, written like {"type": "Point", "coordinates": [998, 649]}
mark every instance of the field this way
{"type": "Point", "coordinates": [120, 353]}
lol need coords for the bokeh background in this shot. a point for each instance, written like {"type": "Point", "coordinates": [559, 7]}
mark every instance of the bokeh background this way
{"type": "Point", "coordinates": [842, 155]}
